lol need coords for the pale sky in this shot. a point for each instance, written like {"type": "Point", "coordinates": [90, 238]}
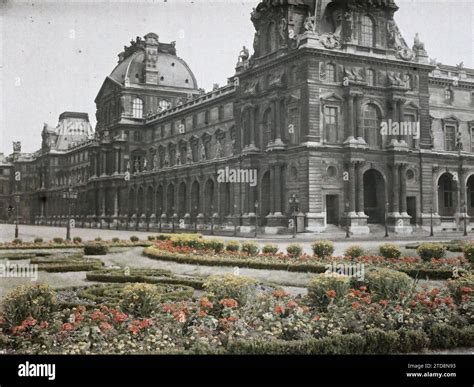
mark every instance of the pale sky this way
{"type": "Point", "coordinates": [54, 55]}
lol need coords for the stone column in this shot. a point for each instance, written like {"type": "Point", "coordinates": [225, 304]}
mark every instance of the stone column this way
{"type": "Point", "coordinates": [435, 194]}
{"type": "Point", "coordinates": [272, 183]}
{"type": "Point", "coordinates": [104, 163]}
{"type": "Point", "coordinates": [277, 190]}
{"type": "Point", "coordinates": [403, 183]}
{"type": "Point", "coordinates": [401, 113]}
{"type": "Point", "coordinates": [360, 188]}
{"type": "Point", "coordinates": [278, 120]}
{"type": "Point", "coordinates": [358, 126]}
{"type": "Point", "coordinates": [396, 189]}
{"type": "Point", "coordinates": [252, 127]}
{"type": "Point", "coordinates": [352, 187]}
{"type": "Point", "coordinates": [117, 162]}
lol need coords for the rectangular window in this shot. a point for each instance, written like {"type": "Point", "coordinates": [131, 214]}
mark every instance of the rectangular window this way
{"type": "Point", "coordinates": [472, 139]}
{"type": "Point", "coordinates": [330, 124]}
{"type": "Point", "coordinates": [448, 199]}
{"type": "Point", "coordinates": [450, 137]}
{"type": "Point", "coordinates": [331, 73]}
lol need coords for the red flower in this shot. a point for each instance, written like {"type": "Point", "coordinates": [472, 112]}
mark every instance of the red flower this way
{"type": "Point", "coordinates": [229, 303]}
{"type": "Point", "coordinates": [466, 290]}
{"type": "Point", "coordinates": [104, 326]}
{"type": "Point", "coordinates": [98, 315]}
{"type": "Point", "coordinates": [383, 302]}
{"type": "Point", "coordinates": [292, 304]}
{"type": "Point", "coordinates": [316, 318]}
{"type": "Point", "coordinates": [363, 288]}
{"type": "Point", "coordinates": [355, 305]}
{"type": "Point", "coordinates": [133, 329]}
{"type": "Point", "coordinates": [2, 320]}
{"type": "Point", "coordinates": [67, 327]}
{"type": "Point", "coordinates": [202, 313]}
{"type": "Point", "coordinates": [169, 308]}
{"type": "Point", "coordinates": [29, 322]}
{"type": "Point", "coordinates": [279, 309]}
{"type": "Point", "coordinates": [205, 303]}
{"type": "Point", "coordinates": [413, 303]}
{"type": "Point", "coordinates": [232, 318]}
{"type": "Point", "coordinates": [465, 298]}
{"type": "Point", "coordinates": [18, 329]}
{"type": "Point", "coordinates": [435, 291]}
{"type": "Point", "coordinates": [180, 316]}
{"type": "Point", "coordinates": [145, 323]}
{"type": "Point", "coordinates": [120, 317]}
{"type": "Point", "coordinates": [331, 293]}
{"type": "Point", "coordinates": [44, 325]}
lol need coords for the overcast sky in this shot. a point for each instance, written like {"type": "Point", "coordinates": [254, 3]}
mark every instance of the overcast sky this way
{"type": "Point", "coordinates": [55, 55]}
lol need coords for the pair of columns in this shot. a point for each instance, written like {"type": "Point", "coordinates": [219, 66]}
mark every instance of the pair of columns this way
{"type": "Point", "coordinates": [356, 187]}
{"type": "Point", "coordinates": [399, 189]}
{"type": "Point", "coordinates": [99, 161]}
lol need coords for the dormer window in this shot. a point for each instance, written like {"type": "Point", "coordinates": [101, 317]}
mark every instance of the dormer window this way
{"type": "Point", "coordinates": [367, 33]}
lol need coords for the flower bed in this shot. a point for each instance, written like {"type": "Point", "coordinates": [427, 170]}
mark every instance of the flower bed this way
{"type": "Point", "coordinates": [269, 322]}
{"type": "Point", "coordinates": [69, 245]}
{"type": "Point", "coordinates": [153, 276]}
{"type": "Point", "coordinates": [443, 268]}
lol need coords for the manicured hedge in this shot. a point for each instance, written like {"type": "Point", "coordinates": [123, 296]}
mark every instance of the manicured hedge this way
{"type": "Point", "coordinates": [152, 276]}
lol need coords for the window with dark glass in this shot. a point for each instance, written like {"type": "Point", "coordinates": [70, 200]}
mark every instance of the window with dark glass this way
{"type": "Point", "coordinates": [450, 137]}
{"type": "Point", "coordinates": [331, 72]}
{"type": "Point", "coordinates": [330, 124]}
{"type": "Point", "coordinates": [371, 126]}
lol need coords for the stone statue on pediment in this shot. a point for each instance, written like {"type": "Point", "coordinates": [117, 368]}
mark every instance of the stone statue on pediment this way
{"type": "Point", "coordinates": [178, 157]}
{"type": "Point", "coordinates": [156, 161]}
{"type": "Point", "coordinates": [219, 150]}
{"type": "Point", "coordinates": [167, 160]}
{"type": "Point", "coordinates": [189, 155]}
{"type": "Point", "coordinates": [202, 152]}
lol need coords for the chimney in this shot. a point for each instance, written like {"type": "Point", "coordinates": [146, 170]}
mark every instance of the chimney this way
{"type": "Point", "coordinates": [151, 58]}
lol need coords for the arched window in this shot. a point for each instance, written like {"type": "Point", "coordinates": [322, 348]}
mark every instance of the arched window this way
{"type": "Point", "coordinates": [371, 125]}
{"type": "Point", "coordinates": [367, 32]}
{"type": "Point", "coordinates": [137, 108]}
{"type": "Point", "coordinates": [371, 77]}
{"type": "Point", "coordinates": [331, 72]}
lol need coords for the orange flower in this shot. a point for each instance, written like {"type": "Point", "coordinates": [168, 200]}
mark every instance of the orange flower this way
{"type": "Point", "coordinates": [383, 302]}
{"type": "Point", "coordinates": [205, 303]}
{"type": "Point", "coordinates": [120, 317]}
{"type": "Point", "coordinates": [413, 303]}
{"type": "Point", "coordinates": [180, 316]}
{"type": "Point", "coordinates": [355, 305]}
{"type": "Point", "coordinates": [466, 290]}
{"type": "Point", "coordinates": [331, 293]}
{"type": "Point", "coordinates": [29, 322]}
{"type": "Point", "coordinates": [363, 288]}
{"type": "Point", "coordinates": [279, 309]}
{"type": "Point", "coordinates": [229, 303]}
{"type": "Point", "coordinates": [279, 294]}
{"type": "Point", "coordinates": [316, 318]}
{"type": "Point", "coordinates": [98, 315]}
{"type": "Point", "coordinates": [202, 313]}
{"type": "Point", "coordinates": [44, 325]}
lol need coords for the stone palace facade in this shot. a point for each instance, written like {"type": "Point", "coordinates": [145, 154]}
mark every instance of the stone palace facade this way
{"type": "Point", "coordinates": [333, 107]}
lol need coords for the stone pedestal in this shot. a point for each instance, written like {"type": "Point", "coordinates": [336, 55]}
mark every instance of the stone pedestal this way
{"type": "Point", "coordinates": [399, 223]}
{"type": "Point", "coordinates": [248, 223]}
{"type": "Point", "coordinates": [316, 222]}
{"type": "Point", "coordinates": [277, 223]}
{"type": "Point", "coordinates": [357, 223]}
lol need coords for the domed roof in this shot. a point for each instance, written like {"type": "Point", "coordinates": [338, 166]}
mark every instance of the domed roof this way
{"type": "Point", "coordinates": [172, 71]}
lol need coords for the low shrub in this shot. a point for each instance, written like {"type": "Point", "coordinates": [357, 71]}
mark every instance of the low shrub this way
{"type": "Point", "coordinates": [95, 248]}
{"type": "Point", "coordinates": [38, 240]}
{"type": "Point", "coordinates": [98, 239]}
{"type": "Point", "coordinates": [380, 342]}
{"type": "Point", "coordinates": [134, 238]}
{"type": "Point", "coordinates": [461, 287]}
{"type": "Point", "coordinates": [294, 250]}
{"type": "Point", "coordinates": [326, 287]}
{"type": "Point", "coordinates": [229, 286]}
{"type": "Point", "coordinates": [17, 241]}
{"type": "Point", "coordinates": [36, 301]}
{"type": "Point", "coordinates": [193, 241]}
{"type": "Point", "coordinates": [443, 336]}
{"type": "Point", "coordinates": [428, 251]}
{"type": "Point", "coordinates": [390, 251]}
{"type": "Point", "coordinates": [232, 246]}
{"type": "Point", "coordinates": [270, 249]}
{"type": "Point", "coordinates": [140, 299]}
{"type": "Point", "coordinates": [115, 240]}
{"type": "Point", "coordinates": [354, 252]}
{"type": "Point", "coordinates": [216, 245]}
{"type": "Point", "coordinates": [323, 249]}
{"type": "Point", "coordinates": [151, 238]}
{"type": "Point", "coordinates": [58, 240]}
{"type": "Point", "coordinates": [469, 252]}
{"type": "Point", "coordinates": [163, 237]}
{"type": "Point", "coordinates": [388, 284]}
{"type": "Point", "coordinates": [77, 240]}
{"type": "Point", "coordinates": [250, 248]}
{"type": "Point", "coordinates": [412, 340]}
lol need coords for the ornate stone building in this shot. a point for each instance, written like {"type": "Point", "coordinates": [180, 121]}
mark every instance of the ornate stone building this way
{"type": "Point", "coordinates": [333, 107]}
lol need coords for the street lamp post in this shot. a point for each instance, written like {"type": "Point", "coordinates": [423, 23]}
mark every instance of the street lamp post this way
{"type": "Point", "coordinates": [212, 219]}
{"type": "Point", "coordinates": [431, 223]}
{"type": "Point", "coordinates": [386, 220]}
{"type": "Point", "coordinates": [348, 233]}
{"type": "Point", "coordinates": [465, 218]}
{"type": "Point", "coordinates": [256, 218]}
{"type": "Point", "coordinates": [69, 195]}
{"type": "Point", "coordinates": [195, 219]}
{"type": "Point", "coordinates": [17, 201]}
{"type": "Point", "coordinates": [294, 201]}
{"type": "Point", "coordinates": [235, 220]}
